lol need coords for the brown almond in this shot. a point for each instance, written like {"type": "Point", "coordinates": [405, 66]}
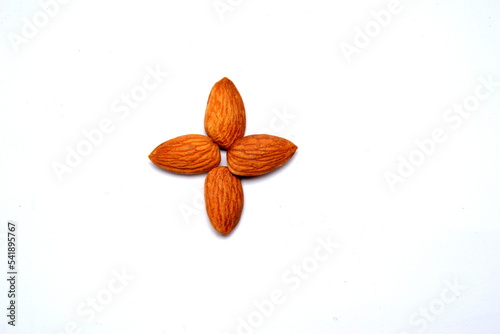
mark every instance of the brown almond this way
{"type": "Point", "coordinates": [188, 154]}
{"type": "Point", "coordinates": [223, 199]}
{"type": "Point", "coordinates": [225, 119]}
{"type": "Point", "coordinates": [259, 154]}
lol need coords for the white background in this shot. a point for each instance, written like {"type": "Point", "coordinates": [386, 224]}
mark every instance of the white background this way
{"type": "Point", "coordinates": [354, 119]}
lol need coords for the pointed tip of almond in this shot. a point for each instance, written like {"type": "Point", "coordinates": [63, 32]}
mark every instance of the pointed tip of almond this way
{"type": "Point", "coordinates": [152, 155]}
{"type": "Point", "coordinates": [225, 82]}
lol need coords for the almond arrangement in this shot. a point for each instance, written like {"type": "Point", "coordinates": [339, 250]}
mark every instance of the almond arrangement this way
{"type": "Point", "coordinates": [225, 124]}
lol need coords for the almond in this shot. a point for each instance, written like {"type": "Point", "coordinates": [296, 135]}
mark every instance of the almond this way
{"type": "Point", "coordinates": [225, 119]}
{"type": "Point", "coordinates": [188, 154]}
{"type": "Point", "coordinates": [258, 154]}
{"type": "Point", "coordinates": [223, 199]}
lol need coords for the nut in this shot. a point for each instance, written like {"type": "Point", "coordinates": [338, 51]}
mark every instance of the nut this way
{"type": "Point", "coordinates": [188, 154]}
{"type": "Point", "coordinates": [258, 154]}
{"type": "Point", "coordinates": [225, 119]}
{"type": "Point", "coordinates": [223, 199]}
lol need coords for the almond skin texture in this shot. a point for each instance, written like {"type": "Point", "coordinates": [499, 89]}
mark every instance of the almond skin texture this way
{"type": "Point", "coordinates": [225, 119]}
{"type": "Point", "coordinates": [259, 154]}
{"type": "Point", "coordinates": [223, 199]}
{"type": "Point", "coordinates": [188, 154]}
